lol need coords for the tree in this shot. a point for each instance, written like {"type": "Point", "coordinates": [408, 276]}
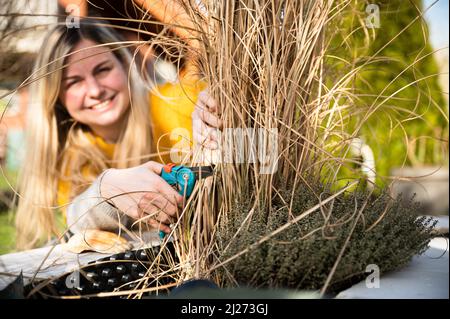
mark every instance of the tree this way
{"type": "Point", "coordinates": [410, 120]}
{"type": "Point", "coordinates": [398, 107]}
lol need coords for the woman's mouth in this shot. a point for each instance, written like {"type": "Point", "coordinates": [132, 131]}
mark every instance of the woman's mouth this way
{"type": "Point", "coordinates": [101, 106]}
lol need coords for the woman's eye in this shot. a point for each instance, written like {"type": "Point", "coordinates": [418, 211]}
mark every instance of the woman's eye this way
{"type": "Point", "coordinates": [104, 70]}
{"type": "Point", "coordinates": [71, 83]}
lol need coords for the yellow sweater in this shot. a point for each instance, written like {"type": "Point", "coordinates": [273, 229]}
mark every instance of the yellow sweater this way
{"type": "Point", "coordinates": [171, 106]}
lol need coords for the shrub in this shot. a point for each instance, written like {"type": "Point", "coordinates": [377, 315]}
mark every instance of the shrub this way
{"type": "Point", "coordinates": [387, 233]}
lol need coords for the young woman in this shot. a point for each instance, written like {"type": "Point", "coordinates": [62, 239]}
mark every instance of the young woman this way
{"type": "Point", "coordinates": [92, 128]}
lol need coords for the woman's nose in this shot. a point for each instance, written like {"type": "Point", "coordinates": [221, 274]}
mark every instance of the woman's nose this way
{"type": "Point", "coordinates": [94, 89]}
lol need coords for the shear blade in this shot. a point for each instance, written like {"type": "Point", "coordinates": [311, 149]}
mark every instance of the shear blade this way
{"type": "Point", "coordinates": [202, 171]}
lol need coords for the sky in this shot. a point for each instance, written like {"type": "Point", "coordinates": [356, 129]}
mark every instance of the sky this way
{"type": "Point", "coordinates": [438, 21]}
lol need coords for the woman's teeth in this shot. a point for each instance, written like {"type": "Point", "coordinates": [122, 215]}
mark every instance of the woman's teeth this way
{"type": "Point", "coordinates": [101, 105]}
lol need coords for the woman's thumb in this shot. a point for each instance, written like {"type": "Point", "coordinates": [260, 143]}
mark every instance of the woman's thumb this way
{"type": "Point", "coordinates": [154, 167]}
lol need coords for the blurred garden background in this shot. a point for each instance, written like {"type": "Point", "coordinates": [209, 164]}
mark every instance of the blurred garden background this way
{"type": "Point", "coordinates": [411, 129]}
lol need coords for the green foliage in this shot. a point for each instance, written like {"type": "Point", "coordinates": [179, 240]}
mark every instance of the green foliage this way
{"type": "Point", "coordinates": [7, 178]}
{"type": "Point", "coordinates": [417, 110]}
{"type": "Point", "coordinates": [7, 229]}
{"type": "Point", "coordinates": [7, 233]}
{"type": "Point", "coordinates": [387, 233]}
{"type": "Point", "coordinates": [398, 108]}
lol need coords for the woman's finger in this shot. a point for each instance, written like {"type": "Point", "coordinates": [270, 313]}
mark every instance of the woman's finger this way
{"type": "Point", "coordinates": [204, 140]}
{"type": "Point", "coordinates": [164, 218]}
{"type": "Point", "coordinates": [210, 119]}
{"type": "Point", "coordinates": [204, 130]}
{"type": "Point", "coordinates": [146, 209]}
{"type": "Point", "coordinates": [151, 211]}
{"type": "Point", "coordinates": [158, 225]}
{"type": "Point", "coordinates": [169, 193]}
{"type": "Point", "coordinates": [154, 167]}
{"type": "Point", "coordinates": [207, 100]}
{"type": "Point", "coordinates": [162, 187]}
{"type": "Point", "coordinates": [164, 204]}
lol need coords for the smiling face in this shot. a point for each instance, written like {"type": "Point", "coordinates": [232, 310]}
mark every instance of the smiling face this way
{"type": "Point", "coordinates": [94, 89]}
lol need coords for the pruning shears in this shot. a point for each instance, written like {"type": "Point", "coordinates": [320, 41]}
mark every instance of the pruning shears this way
{"type": "Point", "coordinates": [183, 178]}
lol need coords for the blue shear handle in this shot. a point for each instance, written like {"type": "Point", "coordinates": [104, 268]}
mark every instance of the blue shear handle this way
{"type": "Point", "coordinates": [181, 177]}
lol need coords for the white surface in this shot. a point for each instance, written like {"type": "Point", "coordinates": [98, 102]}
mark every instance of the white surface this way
{"type": "Point", "coordinates": [442, 223]}
{"type": "Point", "coordinates": [425, 277]}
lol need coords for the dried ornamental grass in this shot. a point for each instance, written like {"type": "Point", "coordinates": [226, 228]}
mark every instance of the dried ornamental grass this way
{"type": "Point", "coordinates": [264, 61]}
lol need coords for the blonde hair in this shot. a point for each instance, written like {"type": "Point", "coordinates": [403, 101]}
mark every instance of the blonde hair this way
{"type": "Point", "coordinates": [58, 147]}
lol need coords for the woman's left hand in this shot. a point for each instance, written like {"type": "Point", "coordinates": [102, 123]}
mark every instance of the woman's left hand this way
{"type": "Point", "coordinates": [206, 121]}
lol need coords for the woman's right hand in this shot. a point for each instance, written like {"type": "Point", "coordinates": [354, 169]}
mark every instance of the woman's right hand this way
{"type": "Point", "coordinates": [141, 191]}
{"type": "Point", "coordinates": [206, 121]}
